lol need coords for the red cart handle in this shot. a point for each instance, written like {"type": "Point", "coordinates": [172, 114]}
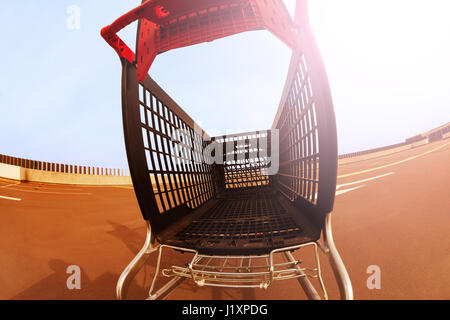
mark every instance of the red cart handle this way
{"type": "Point", "coordinates": [251, 15]}
{"type": "Point", "coordinates": [109, 33]}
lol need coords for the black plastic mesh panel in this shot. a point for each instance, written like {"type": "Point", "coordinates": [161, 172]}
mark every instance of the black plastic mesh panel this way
{"type": "Point", "coordinates": [174, 155]}
{"type": "Point", "coordinates": [242, 223]}
{"type": "Point", "coordinates": [299, 143]}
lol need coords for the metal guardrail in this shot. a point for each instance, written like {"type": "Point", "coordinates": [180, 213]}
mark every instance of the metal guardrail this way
{"type": "Point", "coordinates": [62, 168]}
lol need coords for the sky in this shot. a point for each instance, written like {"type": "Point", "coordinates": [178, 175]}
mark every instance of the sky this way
{"type": "Point", "coordinates": [60, 101]}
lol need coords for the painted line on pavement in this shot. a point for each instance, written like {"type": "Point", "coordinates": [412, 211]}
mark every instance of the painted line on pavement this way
{"type": "Point", "coordinates": [10, 198]}
{"type": "Point", "coordinates": [363, 180]}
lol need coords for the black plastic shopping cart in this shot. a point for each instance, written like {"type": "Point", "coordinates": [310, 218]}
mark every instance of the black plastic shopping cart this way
{"type": "Point", "coordinates": [235, 202]}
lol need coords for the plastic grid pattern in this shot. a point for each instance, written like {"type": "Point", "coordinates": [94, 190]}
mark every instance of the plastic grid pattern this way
{"type": "Point", "coordinates": [299, 142]}
{"type": "Point", "coordinates": [245, 158]}
{"type": "Point", "coordinates": [254, 220]}
{"type": "Point", "coordinates": [174, 156]}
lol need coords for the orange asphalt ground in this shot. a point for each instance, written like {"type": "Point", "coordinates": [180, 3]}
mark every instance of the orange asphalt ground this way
{"type": "Point", "coordinates": [399, 222]}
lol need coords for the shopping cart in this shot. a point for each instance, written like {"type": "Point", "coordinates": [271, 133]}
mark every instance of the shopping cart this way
{"type": "Point", "coordinates": [236, 203]}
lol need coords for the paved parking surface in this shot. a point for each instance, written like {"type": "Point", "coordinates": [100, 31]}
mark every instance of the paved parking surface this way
{"type": "Point", "coordinates": [391, 211]}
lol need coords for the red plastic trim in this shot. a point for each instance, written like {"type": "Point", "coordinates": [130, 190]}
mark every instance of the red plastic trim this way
{"type": "Point", "coordinates": [171, 24]}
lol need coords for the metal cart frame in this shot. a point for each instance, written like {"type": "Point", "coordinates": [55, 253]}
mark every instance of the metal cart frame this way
{"type": "Point", "coordinates": [329, 248]}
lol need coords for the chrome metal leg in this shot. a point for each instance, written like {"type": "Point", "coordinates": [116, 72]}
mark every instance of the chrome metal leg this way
{"type": "Point", "coordinates": [135, 265]}
{"type": "Point", "coordinates": [340, 272]}
{"type": "Point", "coordinates": [167, 288]}
{"type": "Point", "coordinates": [172, 284]}
{"type": "Point", "coordinates": [308, 288]}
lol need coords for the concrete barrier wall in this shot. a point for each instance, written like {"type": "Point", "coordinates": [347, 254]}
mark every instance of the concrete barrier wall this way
{"type": "Point", "coordinates": [39, 171]}
{"type": "Point", "coordinates": [34, 175]}
{"type": "Point", "coordinates": [442, 132]}
{"type": "Point", "coordinates": [74, 178]}
{"type": "Point", "coordinates": [358, 156]}
{"type": "Point", "coordinates": [60, 167]}
{"type": "Point", "coordinates": [11, 172]}
{"type": "Point", "coordinates": [371, 151]}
